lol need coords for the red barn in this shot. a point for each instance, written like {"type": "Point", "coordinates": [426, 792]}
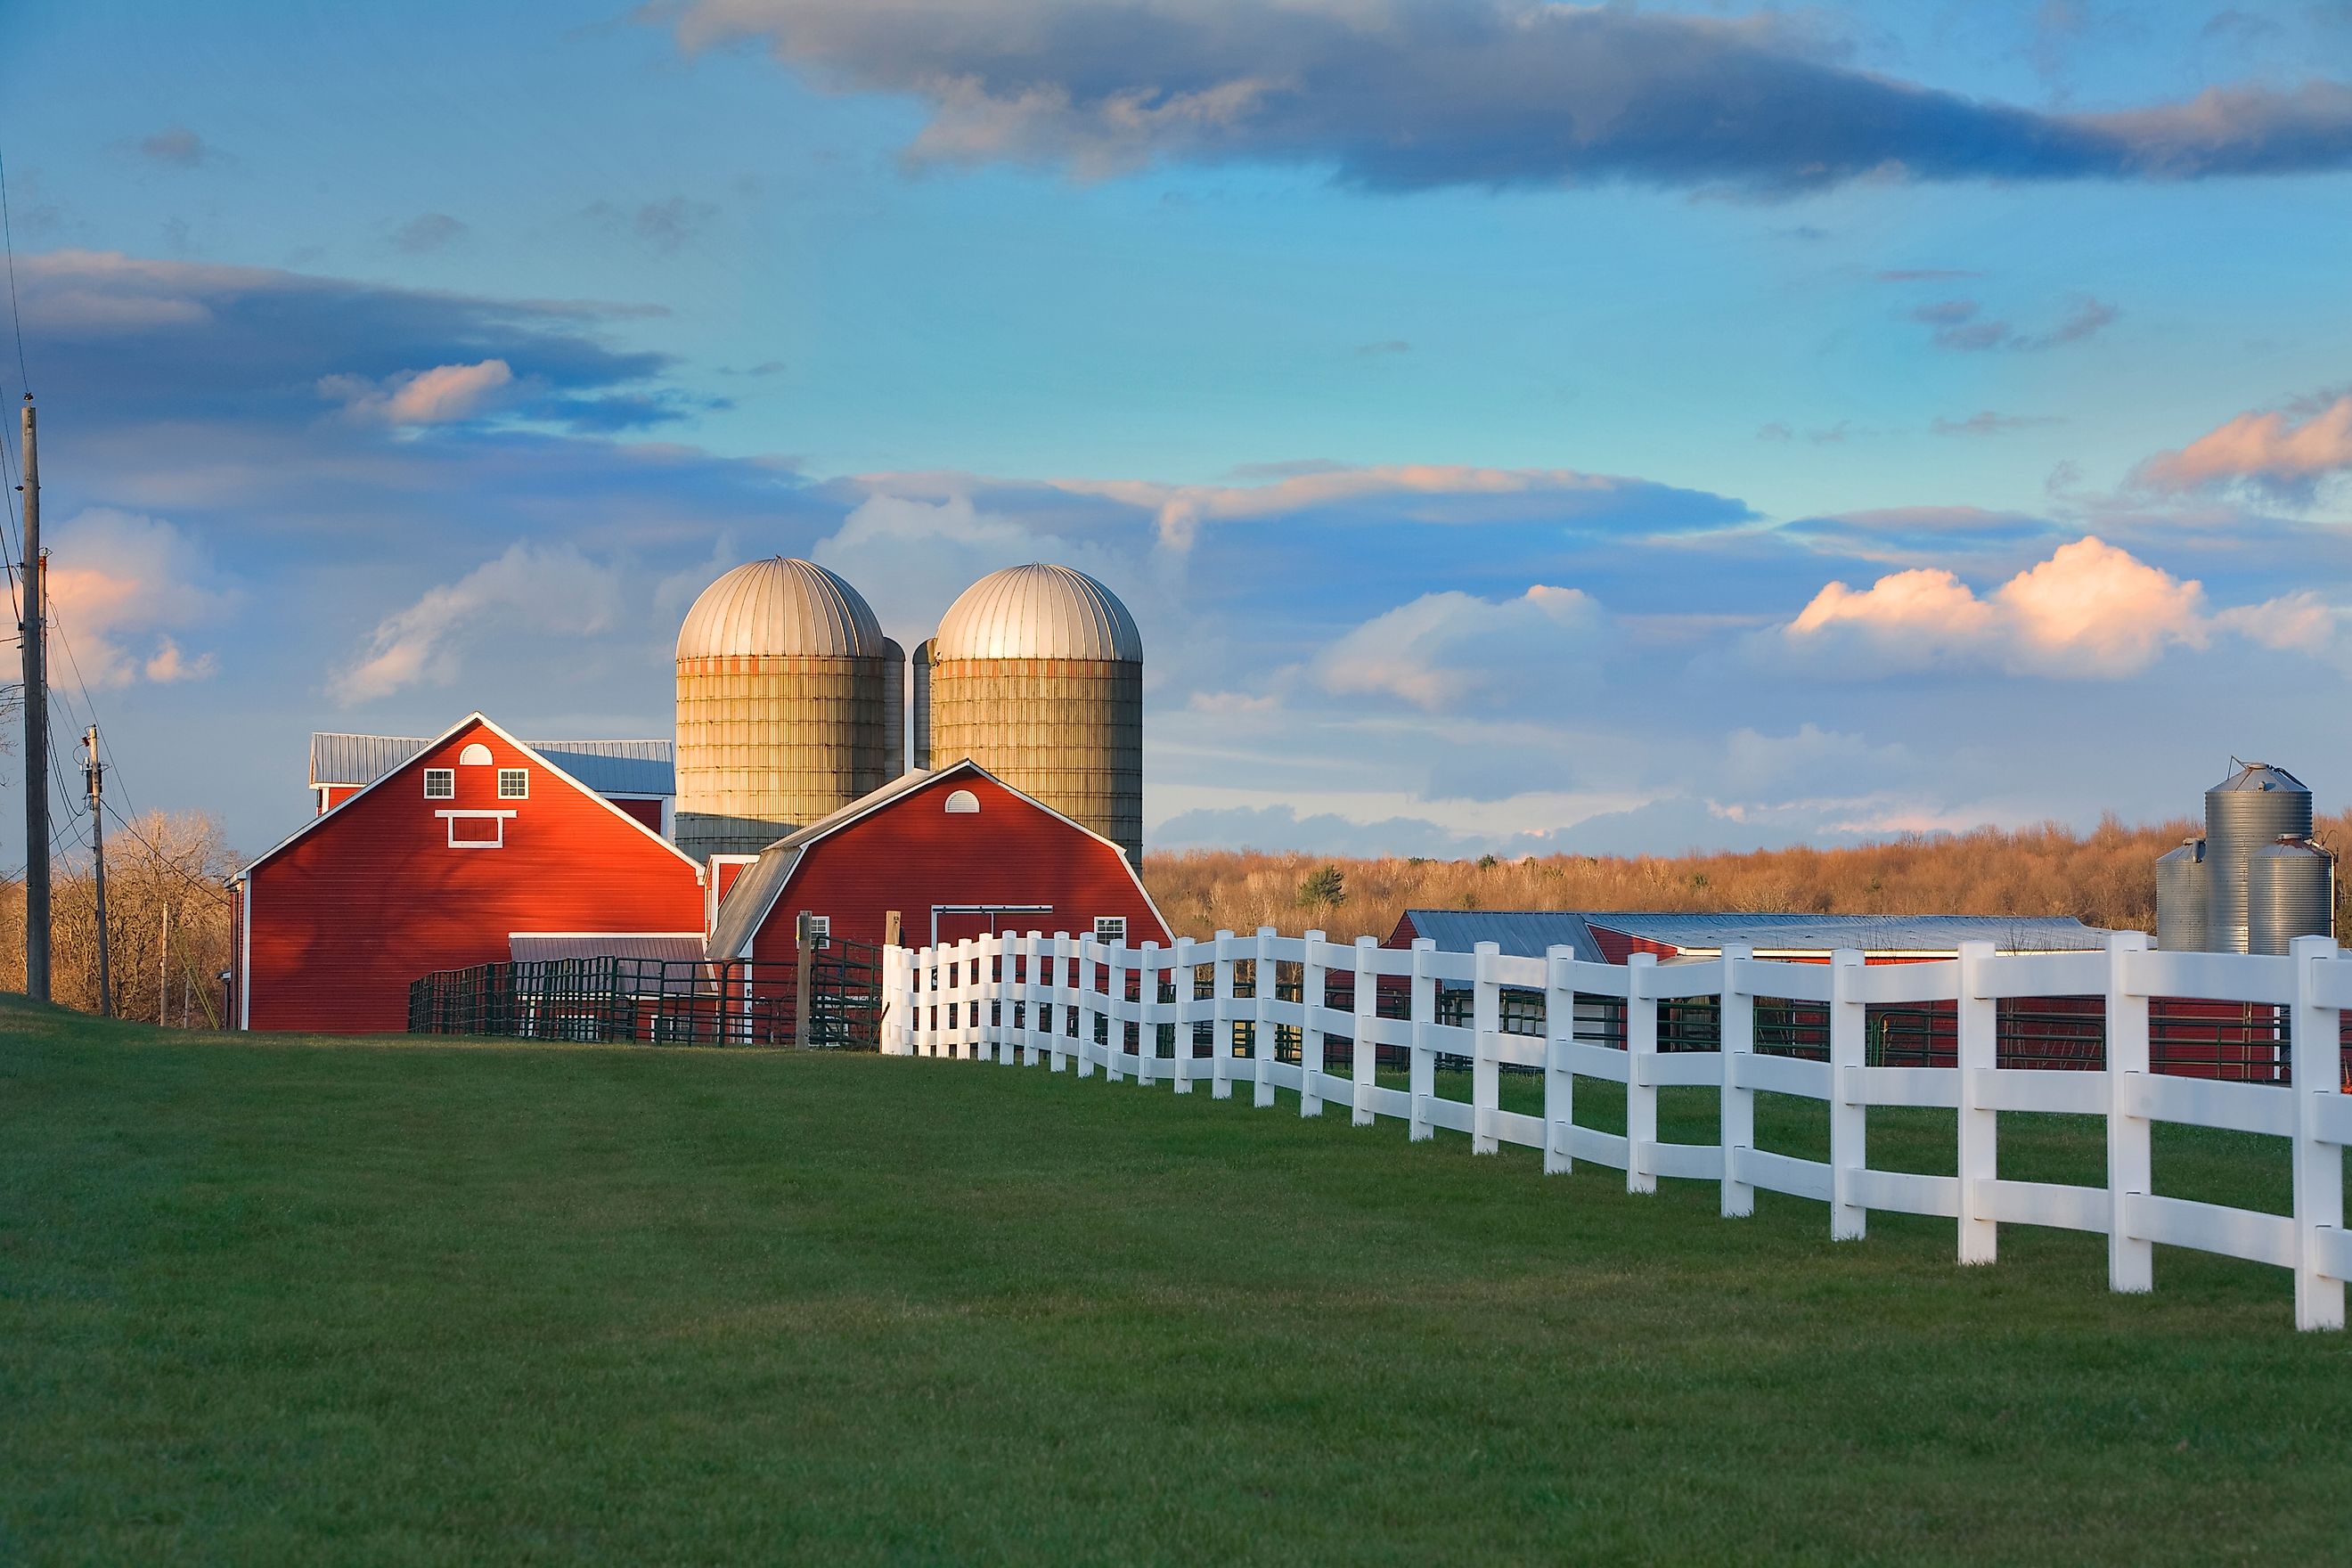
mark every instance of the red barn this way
{"type": "Point", "coordinates": [473, 839]}
{"type": "Point", "coordinates": [957, 852]}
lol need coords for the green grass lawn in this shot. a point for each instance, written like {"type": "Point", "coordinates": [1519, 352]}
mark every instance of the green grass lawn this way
{"type": "Point", "coordinates": [301, 1301]}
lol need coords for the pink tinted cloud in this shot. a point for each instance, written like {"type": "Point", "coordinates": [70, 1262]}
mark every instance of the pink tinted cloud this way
{"type": "Point", "coordinates": [2271, 450]}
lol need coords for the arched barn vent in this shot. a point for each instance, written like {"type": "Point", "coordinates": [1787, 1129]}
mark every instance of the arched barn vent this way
{"type": "Point", "coordinates": [963, 803]}
{"type": "Point", "coordinates": [476, 756]}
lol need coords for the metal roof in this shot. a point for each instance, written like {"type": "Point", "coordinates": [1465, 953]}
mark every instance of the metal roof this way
{"type": "Point", "coordinates": [757, 885]}
{"type": "Point", "coordinates": [533, 947]}
{"type": "Point", "coordinates": [608, 767]}
{"type": "Point", "coordinates": [779, 607]}
{"type": "Point", "coordinates": [1521, 933]}
{"type": "Point", "coordinates": [2262, 778]}
{"type": "Point", "coordinates": [1529, 932]}
{"type": "Point", "coordinates": [1039, 612]}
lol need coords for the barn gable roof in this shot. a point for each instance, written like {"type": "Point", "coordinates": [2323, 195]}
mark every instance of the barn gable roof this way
{"type": "Point", "coordinates": [758, 887]}
{"type": "Point", "coordinates": [553, 768]}
{"type": "Point", "coordinates": [608, 767]}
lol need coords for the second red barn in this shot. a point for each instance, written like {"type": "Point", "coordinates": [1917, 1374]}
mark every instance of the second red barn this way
{"type": "Point", "coordinates": [955, 853]}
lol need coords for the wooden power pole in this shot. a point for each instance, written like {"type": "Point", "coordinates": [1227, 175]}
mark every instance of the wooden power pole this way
{"type": "Point", "coordinates": [35, 643]}
{"type": "Point", "coordinates": [93, 773]}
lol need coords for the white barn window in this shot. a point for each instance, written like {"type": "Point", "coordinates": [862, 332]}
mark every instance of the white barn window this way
{"type": "Point", "coordinates": [514, 783]}
{"type": "Point", "coordinates": [440, 783]}
{"type": "Point", "coordinates": [963, 803]}
{"type": "Point", "coordinates": [1110, 928]}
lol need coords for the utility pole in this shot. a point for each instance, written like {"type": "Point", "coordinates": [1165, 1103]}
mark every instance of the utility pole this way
{"type": "Point", "coordinates": [163, 972]}
{"type": "Point", "coordinates": [35, 643]}
{"type": "Point", "coordinates": [93, 773]}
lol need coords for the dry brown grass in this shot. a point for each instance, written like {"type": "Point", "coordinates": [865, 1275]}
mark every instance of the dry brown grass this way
{"type": "Point", "coordinates": [2107, 876]}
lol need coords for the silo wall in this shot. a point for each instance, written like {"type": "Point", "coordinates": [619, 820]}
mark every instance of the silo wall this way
{"type": "Point", "coordinates": [894, 710]}
{"type": "Point", "coordinates": [2181, 897]}
{"type": "Point", "coordinates": [2238, 822]}
{"type": "Point", "coordinates": [1067, 731]}
{"type": "Point", "coordinates": [769, 744]}
{"type": "Point", "coordinates": [2290, 892]}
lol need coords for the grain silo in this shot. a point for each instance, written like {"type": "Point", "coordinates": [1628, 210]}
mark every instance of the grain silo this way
{"type": "Point", "coordinates": [894, 710]}
{"type": "Point", "coordinates": [2180, 898]}
{"type": "Point", "coordinates": [2252, 809]}
{"type": "Point", "coordinates": [2290, 892]}
{"type": "Point", "coordinates": [1037, 676]}
{"type": "Point", "coordinates": [781, 688]}
{"type": "Point", "coordinates": [919, 738]}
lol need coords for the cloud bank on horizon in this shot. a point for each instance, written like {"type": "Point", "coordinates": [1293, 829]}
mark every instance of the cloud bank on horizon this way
{"type": "Point", "coordinates": [1402, 94]}
{"type": "Point", "coordinates": [1833, 519]}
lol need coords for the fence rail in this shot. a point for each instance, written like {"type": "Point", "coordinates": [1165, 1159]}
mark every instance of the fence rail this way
{"type": "Point", "coordinates": [2135, 1036]}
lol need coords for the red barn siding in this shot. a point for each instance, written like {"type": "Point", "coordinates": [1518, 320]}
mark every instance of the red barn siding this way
{"type": "Point", "coordinates": [911, 854]}
{"type": "Point", "coordinates": [372, 897]}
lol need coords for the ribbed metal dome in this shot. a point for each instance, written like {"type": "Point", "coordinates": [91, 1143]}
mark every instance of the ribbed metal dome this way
{"type": "Point", "coordinates": [1039, 612]}
{"type": "Point", "coordinates": [779, 607]}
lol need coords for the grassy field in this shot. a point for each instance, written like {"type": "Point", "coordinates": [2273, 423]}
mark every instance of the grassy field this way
{"type": "Point", "coordinates": [391, 1302]}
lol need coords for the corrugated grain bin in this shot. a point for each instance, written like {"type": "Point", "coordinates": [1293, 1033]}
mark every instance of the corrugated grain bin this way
{"type": "Point", "coordinates": [780, 694]}
{"type": "Point", "coordinates": [2180, 898]}
{"type": "Point", "coordinates": [2252, 809]}
{"type": "Point", "coordinates": [1037, 676]}
{"type": "Point", "coordinates": [2290, 892]}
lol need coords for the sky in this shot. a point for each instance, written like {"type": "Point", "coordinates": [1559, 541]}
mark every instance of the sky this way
{"type": "Point", "coordinates": [1515, 428]}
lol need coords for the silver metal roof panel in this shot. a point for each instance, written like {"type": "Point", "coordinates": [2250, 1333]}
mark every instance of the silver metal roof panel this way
{"type": "Point", "coordinates": [779, 607]}
{"type": "Point", "coordinates": [1039, 612]}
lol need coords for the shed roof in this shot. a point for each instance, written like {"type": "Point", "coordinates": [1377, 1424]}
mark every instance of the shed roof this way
{"type": "Point", "coordinates": [608, 767]}
{"type": "Point", "coordinates": [1529, 932]}
{"type": "Point", "coordinates": [536, 946]}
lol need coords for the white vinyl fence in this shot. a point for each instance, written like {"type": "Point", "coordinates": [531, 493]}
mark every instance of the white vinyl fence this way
{"type": "Point", "coordinates": [1033, 998]}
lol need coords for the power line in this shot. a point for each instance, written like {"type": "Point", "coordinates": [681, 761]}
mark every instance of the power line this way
{"type": "Point", "coordinates": [8, 237]}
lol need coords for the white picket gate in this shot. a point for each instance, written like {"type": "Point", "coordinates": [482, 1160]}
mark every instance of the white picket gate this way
{"type": "Point", "coordinates": [1034, 998]}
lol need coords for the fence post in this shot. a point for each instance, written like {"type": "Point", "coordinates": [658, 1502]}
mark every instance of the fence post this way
{"type": "Point", "coordinates": [1849, 1117]}
{"type": "Point", "coordinates": [1486, 1037]}
{"type": "Point", "coordinates": [1559, 1073]}
{"type": "Point", "coordinates": [1422, 1088]}
{"type": "Point", "coordinates": [1261, 1029]}
{"type": "Point", "coordinates": [1058, 1054]}
{"type": "Point", "coordinates": [1976, 1053]}
{"type": "Point", "coordinates": [1147, 1014]}
{"type": "Point", "coordinates": [2314, 1068]}
{"type": "Point", "coordinates": [1032, 948]}
{"type": "Point", "coordinates": [1737, 1026]}
{"type": "Point", "coordinates": [1180, 977]}
{"type": "Point", "coordinates": [1085, 1003]}
{"type": "Point", "coordinates": [2131, 1260]}
{"type": "Point", "coordinates": [1220, 1015]}
{"type": "Point", "coordinates": [1368, 1010]}
{"type": "Point", "coordinates": [1115, 1010]}
{"type": "Point", "coordinates": [1310, 1030]}
{"type": "Point", "coordinates": [1641, 1076]}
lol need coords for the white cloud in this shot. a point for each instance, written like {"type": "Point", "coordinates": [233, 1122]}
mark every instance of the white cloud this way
{"type": "Point", "coordinates": [118, 581]}
{"type": "Point", "coordinates": [2091, 611]}
{"type": "Point", "coordinates": [1445, 648]}
{"type": "Point", "coordinates": [2270, 451]}
{"type": "Point", "coordinates": [441, 395]}
{"type": "Point", "coordinates": [554, 589]}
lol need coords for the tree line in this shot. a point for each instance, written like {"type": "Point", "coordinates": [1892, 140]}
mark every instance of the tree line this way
{"type": "Point", "coordinates": [167, 922]}
{"type": "Point", "coordinates": [2106, 878]}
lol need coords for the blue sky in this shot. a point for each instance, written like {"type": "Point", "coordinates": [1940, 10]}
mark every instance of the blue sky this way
{"type": "Point", "coordinates": [1479, 404]}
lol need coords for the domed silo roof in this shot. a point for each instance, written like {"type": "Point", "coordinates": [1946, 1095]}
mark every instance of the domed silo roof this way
{"type": "Point", "coordinates": [779, 607]}
{"type": "Point", "coordinates": [1039, 612]}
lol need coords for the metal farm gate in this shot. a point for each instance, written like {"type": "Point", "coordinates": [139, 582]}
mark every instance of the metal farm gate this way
{"type": "Point", "coordinates": [657, 1001]}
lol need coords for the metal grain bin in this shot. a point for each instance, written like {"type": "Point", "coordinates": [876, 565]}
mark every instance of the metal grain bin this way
{"type": "Point", "coordinates": [2180, 898]}
{"type": "Point", "coordinates": [894, 710]}
{"type": "Point", "coordinates": [2290, 892]}
{"type": "Point", "coordinates": [2252, 809]}
{"type": "Point", "coordinates": [780, 705]}
{"type": "Point", "coordinates": [1037, 676]}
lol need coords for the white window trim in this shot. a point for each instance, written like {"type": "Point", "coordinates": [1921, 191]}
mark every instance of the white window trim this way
{"type": "Point", "coordinates": [450, 774]}
{"type": "Point", "coordinates": [522, 775]}
{"type": "Point", "coordinates": [963, 803]}
{"type": "Point", "coordinates": [1118, 920]}
{"type": "Point", "coordinates": [454, 818]}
